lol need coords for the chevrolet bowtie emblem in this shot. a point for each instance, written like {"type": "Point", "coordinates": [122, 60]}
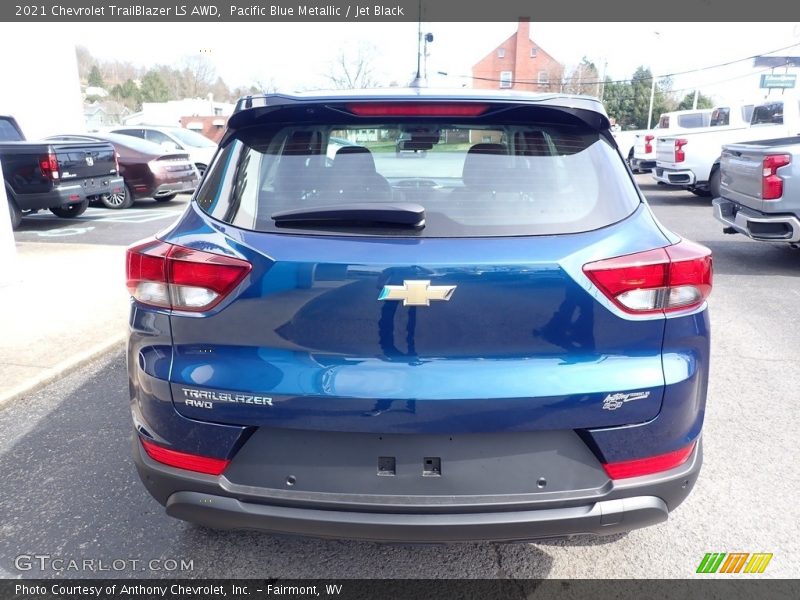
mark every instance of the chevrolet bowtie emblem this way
{"type": "Point", "coordinates": [416, 292]}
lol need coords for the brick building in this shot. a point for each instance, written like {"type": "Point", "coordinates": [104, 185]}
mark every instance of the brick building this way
{"type": "Point", "coordinates": [211, 127]}
{"type": "Point", "coordinates": [519, 64]}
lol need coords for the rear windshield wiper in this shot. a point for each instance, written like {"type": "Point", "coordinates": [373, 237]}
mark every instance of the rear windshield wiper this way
{"type": "Point", "coordinates": [406, 214]}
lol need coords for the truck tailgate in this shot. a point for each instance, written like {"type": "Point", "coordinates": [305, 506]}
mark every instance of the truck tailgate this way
{"type": "Point", "coordinates": [81, 160]}
{"type": "Point", "coordinates": [665, 151]}
{"type": "Point", "coordinates": [741, 175]}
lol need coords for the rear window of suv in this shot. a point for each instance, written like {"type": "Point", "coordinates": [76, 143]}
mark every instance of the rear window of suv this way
{"type": "Point", "coordinates": [495, 179]}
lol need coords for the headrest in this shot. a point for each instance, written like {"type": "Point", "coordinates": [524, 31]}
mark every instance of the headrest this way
{"type": "Point", "coordinates": [485, 164]}
{"type": "Point", "coordinates": [354, 158]}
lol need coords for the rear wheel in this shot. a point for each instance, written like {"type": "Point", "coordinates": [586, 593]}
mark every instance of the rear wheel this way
{"type": "Point", "coordinates": [166, 198]}
{"type": "Point", "coordinates": [15, 212]}
{"type": "Point", "coordinates": [71, 210]}
{"type": "Point", "coordinates": [118, 200]}
{"type": "Point", "coordinates": [714, 183]}
{"type": "Point", "coordinates": [700, 192]}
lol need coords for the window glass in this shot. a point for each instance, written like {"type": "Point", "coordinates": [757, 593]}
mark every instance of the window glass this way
{"type": "Point", "coordinates": [493, 180]}
{"type": "Point", "coordinates": [720, 117]}
{"type": "Point", "coordinates": [9, 133]}
{"type": "Point", "coordinates": [192, 138]}
{"type": "Point", "coordinates": [768, 114]}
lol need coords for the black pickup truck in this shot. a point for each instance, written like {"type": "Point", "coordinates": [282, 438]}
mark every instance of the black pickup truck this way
{"type": "Point", "coordinates": [60, 176]}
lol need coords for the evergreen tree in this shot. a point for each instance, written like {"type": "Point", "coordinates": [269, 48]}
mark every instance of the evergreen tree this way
{"type": "Point", "coordinates": [95, 78]}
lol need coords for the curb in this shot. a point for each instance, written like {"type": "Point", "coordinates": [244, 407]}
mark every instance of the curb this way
{"type": "Point", "coordinates": [48, 376]}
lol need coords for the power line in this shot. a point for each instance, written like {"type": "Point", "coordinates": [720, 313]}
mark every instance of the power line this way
{"type": "Point", "coordinates": [600, 81]}
{"type": "Point", "coordinates": [694, 87]}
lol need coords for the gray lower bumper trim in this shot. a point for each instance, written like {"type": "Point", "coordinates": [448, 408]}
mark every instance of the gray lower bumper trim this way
{"type": "Point", "coordinates": [743, 221]}
{"type": "Point", "coordinates": [682, 178]}
{"type": "Point", "coordinates": [601, 518]}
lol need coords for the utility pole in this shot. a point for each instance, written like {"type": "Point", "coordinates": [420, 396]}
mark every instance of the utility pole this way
{"type": "Point", "coordinates": [652, 89]}
{"type": "Point", "coordinates": [652, 95]}
{"type": "Point", "coordinates": [417, 82]}
{"type": "Point", "coordinates": [603, 82]}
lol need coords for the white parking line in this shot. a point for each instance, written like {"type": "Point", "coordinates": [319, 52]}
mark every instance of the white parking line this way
{"type": "Point", "coordinates": [135, 216]}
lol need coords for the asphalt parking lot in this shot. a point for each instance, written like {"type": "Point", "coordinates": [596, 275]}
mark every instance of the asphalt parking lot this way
{"type": "Point", "coordinates": [100, 225]}
{"type": "Point", "coordinates": [70, 490]}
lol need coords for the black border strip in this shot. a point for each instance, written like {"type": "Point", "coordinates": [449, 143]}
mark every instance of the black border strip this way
{"type": "Point", "coordinates": [709, 587]}
{"type": "Point", "coordinates": [392, 11]}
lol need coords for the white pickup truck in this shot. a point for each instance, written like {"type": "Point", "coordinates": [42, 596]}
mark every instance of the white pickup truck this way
{"type": "Point", "coordinates": [626, 141]}
{"type": "Point", "coordinates": [691, 160]}
{"type": "Point", "coordinates": [644, 149]}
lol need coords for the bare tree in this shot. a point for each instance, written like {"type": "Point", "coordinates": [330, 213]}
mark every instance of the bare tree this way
{"type": "Point", "coordinates": [584, 79]}
{"type": "Point", "coordinates": [85, 61]}
{"type": "Point", "coordinates": [353, 68]}
{"type": "Point", "coordinates": [199, 75]}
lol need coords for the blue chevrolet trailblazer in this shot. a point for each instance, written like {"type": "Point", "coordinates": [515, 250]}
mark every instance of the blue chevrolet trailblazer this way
{"type": "Point", "coordinates": [484, 336]}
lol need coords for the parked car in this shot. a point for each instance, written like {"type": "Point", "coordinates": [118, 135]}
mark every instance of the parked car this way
{"type": "Point", "coordinates": [760, 190]}
{"type": "Point", "coordinates": [517, 351]}
{"type": "Point", "coordinates": [200, 149]}
{"type": "Point", "coordinates": [60, 177]}
{"type": "Point", "coordinates": [691, 160]}
{"type": "Point", "coordinates": [644, 150]}
{"type": "Point", "coordinates": [148, 170]}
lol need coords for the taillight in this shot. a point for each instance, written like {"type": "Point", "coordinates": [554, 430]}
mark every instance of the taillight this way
{"type": "Point", "coordinates": [771, 183]}
{"type": "Point", "coordinates": [48, 164]}
{"type": "Point", "coordinates": [680, 155]}
{"type": "Point", "coordinates": [649, 465]}
{"type": "Point", "coordinates": [422, 109]}
{"type": "Point", "coordinates": [670, 279]}
{"type": "Point", "coordinates": [648, 146]}
{"type": "Point", "coordinates": [184, 460]}
{"type": "Point", "coordinates": [180, 278]}
{"type": "Point", "coordinates": [116, 161]}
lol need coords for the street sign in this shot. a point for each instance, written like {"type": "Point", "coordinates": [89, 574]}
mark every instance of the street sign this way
{"type": "Point", "coordinates": [785, 81]}
{"type": "Point", "coordinates": [776, 61]}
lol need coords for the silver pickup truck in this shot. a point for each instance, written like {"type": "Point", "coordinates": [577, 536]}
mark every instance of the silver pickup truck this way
{"type": "Point", "coordinates": [760, 190]}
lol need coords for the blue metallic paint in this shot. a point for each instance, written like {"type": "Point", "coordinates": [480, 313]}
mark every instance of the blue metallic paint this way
{"type": "Point", "coordinates": [548, 366]}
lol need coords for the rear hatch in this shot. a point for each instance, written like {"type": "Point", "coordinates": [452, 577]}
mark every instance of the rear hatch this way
{"type": "Point", "coordinates": [480, 319]}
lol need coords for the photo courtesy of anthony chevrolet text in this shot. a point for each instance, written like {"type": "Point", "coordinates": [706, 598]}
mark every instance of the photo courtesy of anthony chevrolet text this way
{"type": "Point", "coordinates": [399, 299]}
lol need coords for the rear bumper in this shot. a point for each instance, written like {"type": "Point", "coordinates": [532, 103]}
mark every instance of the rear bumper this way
{"type": "Point", "coordinates": [617, 507]}
{"type": "Point", "coordinates": [175, 187]}
{"type": "Point", "coordinates": [603, 518]}
{"type": "Point", "coordinates": [643, 164]}
{"type": "Point", "coordinates": [71, 192]}
{"type": "Point", "coordinates": [757, 225]}
{"type": "Point", "coordinates": [682, 177]}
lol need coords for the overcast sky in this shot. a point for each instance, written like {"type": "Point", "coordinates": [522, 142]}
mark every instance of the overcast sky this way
{"type": "Point", "coordinates": [296, 55]}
